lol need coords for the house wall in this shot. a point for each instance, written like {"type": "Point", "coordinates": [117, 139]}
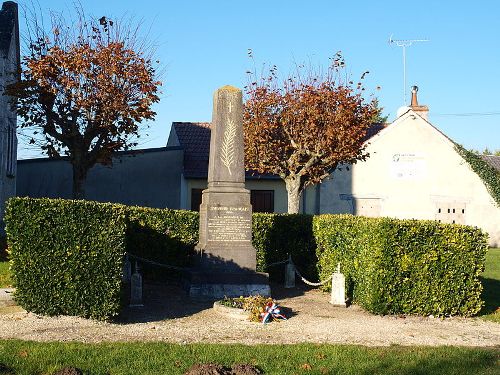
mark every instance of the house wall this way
{"type": "Point", "coordinates": [151, 178]}
{"type": "Point", "coordinates": [9, 63]}
{"type": "Point", "coordinates": [413, 172]}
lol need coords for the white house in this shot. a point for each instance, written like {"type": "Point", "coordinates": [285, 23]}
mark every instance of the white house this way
{"type": "Point", "coordinates": [414, 172]}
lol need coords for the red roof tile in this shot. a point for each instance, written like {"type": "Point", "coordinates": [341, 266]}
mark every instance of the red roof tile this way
{"type": "Point", "coordinates": [194, 138]}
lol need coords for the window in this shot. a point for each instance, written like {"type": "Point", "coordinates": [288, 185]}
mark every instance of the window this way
{"type": "Point", "coordinates": [450, 212]}
{"type": "Point", "coordinates": [196, 199]}
{"type": "Point", "coordinates": [262, 200]}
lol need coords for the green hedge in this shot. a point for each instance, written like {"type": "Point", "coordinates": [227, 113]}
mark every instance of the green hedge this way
{"type": "Point", "coordinates": [162, 235]}
{"type": "Point", "coordinates": [66, 256]}
{"type": "Point", "coordinates": [169, 236]}
{"type": "Point", "coordinates": [404, 266]}
{"type": "Point", "coordinates": [276, 236]}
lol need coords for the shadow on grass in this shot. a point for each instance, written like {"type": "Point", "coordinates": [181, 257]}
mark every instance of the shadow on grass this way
{"type": "Point", "coordinates": [490, 295]}
{"type": "Point", "coordinates": [441, 362]}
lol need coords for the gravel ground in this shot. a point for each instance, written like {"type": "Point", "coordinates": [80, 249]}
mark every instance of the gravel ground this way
{"type": "Point", "coordinates": [169, 316]}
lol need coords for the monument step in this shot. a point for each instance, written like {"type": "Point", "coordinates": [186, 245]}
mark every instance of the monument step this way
{"type": "Point", "coordinates": [216, 276]}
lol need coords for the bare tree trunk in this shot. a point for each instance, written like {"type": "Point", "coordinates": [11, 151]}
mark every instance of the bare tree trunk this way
{"type": "Point", "coordinates": [79, 177]}
{"type": "Point", "coordinates": [294, 192]}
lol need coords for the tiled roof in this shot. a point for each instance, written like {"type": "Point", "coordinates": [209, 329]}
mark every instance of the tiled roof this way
{"type": "Point", "coordinates": [194, 138]}
{"type": "Point", "coordinates": [374, 129]}
{"type": "Point", "coordinates": [492, 160]}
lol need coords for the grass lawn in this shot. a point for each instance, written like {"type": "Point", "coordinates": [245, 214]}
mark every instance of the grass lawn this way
{"type": "Point", "coordinates": [4, 275]}
{"type": "Point", "coordinates": [491, 285]}
{"type": "Point", "coordinates": [159, 358]}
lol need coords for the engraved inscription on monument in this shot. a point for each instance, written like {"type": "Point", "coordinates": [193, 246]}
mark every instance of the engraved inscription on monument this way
{"type": "Point", "coordinates": [229, 225]}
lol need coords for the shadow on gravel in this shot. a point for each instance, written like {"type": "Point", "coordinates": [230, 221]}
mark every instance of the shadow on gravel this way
{"type": "Point", "coordinates": [162, 301]}
{"type": "Point", "coordinates": [169, 301]}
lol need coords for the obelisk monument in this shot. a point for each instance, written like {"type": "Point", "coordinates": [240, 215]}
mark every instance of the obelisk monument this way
{"type": "Point", "coordinates": [226, 259]}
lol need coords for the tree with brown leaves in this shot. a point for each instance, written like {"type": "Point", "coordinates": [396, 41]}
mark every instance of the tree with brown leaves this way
{"type": "Point", "coordinates": [305, 127]}
{"type": "Point", "coordinates": [85, 89]}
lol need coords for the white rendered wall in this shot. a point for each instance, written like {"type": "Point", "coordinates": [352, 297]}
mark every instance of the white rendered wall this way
{"type": "Point", "coordinates": [414, 170]}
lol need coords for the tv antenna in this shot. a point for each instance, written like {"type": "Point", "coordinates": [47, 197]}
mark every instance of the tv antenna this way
{"type": "Point", "coordinates": [405, 43]}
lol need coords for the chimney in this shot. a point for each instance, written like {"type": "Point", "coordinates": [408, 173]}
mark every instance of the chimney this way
{"type": "Point", "coordinates": [422, 110]}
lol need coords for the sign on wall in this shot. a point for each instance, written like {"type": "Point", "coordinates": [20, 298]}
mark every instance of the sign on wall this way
{"type": "Point", "coordinates": [408, 166]}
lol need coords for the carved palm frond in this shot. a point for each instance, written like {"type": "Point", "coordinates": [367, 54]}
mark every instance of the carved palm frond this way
{"type": "Point", "coordinates": [227, 149]}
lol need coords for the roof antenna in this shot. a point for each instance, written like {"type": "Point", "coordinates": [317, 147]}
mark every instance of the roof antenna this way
{"type": "Point", "coordinates": [405, 43]}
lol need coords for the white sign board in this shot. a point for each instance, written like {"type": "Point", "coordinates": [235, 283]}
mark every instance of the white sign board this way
{"type": "Point", "coordinates": [408, 166]}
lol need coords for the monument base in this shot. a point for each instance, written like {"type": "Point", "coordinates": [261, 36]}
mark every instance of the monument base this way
{"type": "Point", "coordinates": [206, 285]}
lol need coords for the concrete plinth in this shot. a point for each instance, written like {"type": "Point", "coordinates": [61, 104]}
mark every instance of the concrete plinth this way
{"type": "Point", "coordinates": [213, 285]}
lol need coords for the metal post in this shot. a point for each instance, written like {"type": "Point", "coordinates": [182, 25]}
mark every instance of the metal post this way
{"type": "Point", "coordinates": [404, 74]}
{"type": "Point", "coordinates": [405, 43]}
{"type": "Point", "coordinates": [290, 274]}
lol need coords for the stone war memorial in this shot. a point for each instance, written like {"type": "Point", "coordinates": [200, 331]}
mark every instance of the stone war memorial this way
{"type": "Point", "coordinates": [225, 263]}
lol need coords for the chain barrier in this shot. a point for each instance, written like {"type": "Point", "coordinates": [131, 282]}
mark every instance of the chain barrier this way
{"type": "Point", "coordinates": [311, 283]}
{"type": "Point", "coordinates": [289, 260]}
{"type": "Point", "coordinates": [156, 263]}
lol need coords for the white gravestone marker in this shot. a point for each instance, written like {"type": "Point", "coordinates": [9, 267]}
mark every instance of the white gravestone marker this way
{"type": "Point", "coordinates": [338, 289]}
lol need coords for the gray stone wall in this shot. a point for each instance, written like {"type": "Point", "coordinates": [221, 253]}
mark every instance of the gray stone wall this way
{"type": "Point", "coordinates": [150, 178]}
{"type": "Point", "coordinates": [9, 66]}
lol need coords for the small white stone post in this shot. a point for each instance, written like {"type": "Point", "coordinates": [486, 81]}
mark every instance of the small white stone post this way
{"type": "Point", "coordinates": [338, 289]}
{"type": "Point", "coordinates": [136, 288]}
{"type": "Point", "coordinates": [289, 274]}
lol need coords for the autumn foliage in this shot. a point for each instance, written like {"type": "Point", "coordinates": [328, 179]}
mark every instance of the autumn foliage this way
{"type": "Point", "coordinates": [84, 91]}
{"type": "Point", "coordinates": [302, 128]}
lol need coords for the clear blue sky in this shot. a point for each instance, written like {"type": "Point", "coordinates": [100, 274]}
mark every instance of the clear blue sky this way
{"type": "Point", "coordinates": [203, 45]}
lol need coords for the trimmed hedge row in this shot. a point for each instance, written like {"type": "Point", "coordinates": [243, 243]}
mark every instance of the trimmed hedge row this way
{"type": "Point", "coordinates": [276, 236]}
{"type": "Point", "coordinates": [169, 236]}
{"type": "Point", "coordinates": [404, 266]}
{"type": "Point", "coordinates": [162, 235]}
{"type": "Point", "coordinates": [66, 256]}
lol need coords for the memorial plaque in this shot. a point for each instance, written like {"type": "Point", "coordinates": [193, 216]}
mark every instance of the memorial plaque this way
{"type": "Point", "coordinates": [230, 225]}
{"type": "Point", "coordinates": [226, 260]}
